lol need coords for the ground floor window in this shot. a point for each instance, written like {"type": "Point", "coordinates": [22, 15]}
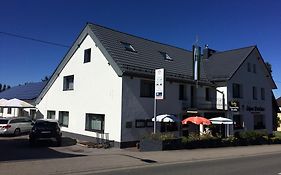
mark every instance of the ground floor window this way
{"type": "Point", "coordinates": [94, 122]}
{"type": "Point", "coordinates": [1, 110]}
{"type": "Point", "coordinates": [259, 122]}
{"type": "Point", "coordinates": [9, 111]}
{"type": "Point", "coordinates": [51, 114]}
{"type": "Point", "coordinates": [64, 118]}
{"type": "Point", "coordinates": [238, 122]}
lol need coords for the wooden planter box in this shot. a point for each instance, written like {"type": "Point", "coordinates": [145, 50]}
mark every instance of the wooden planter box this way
{"type": "Point", "coordinates": [159, 145]}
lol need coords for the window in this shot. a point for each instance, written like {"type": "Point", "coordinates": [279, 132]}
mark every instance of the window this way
{"type": "Point", "coordinates": [237, 90]}
{"type": "Point", "coordinates": [64, 118]}
{"type": "Point", "coordinates": [9, 111]}
{"type": "Point", "coordinates": [262, 94]}
{"type": "Point", "coordinates": [129, 124]}
{"type": "Point", "coordinates": [51, 114]}
{"type": "Point", "coordinates": [149, 123]}
{"type": "Point", "coordinates": [68, 82]}
{"type": "Point", "coordinates": [128, 47]}
{"type": "Point", "coordinates": [182, 92]}
{"type": "Point", "coordinates": [147, 88]}
{"type": "Point", "coordinates": [254, 93]}
{"type": "Point", "coordinates": [259, 122]}
{"type": "Point", "coordinates": [1, 110]}
{"type": "Point", "coordinates": [87, 55]}
{"type": "Point", "coordinates": [166, 56]}
{"type": "Point", "coordinates": [94, 122]}
{"type": "Point", "coordinates": [207, 94]}
{"type": "Point", "coordinates": [254, 68]}
{"type": "Point", "coordinates": [140, 123]}
{"type": "Point", "coordinates": [237, 121]}
{"type": "Point", "coordinates": [249, 67]}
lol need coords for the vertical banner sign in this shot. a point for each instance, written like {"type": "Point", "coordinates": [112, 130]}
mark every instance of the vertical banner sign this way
{"type": "Point", "coordinates": [196, 62]}
{"type": "Point", "coordinates": [159, 84]}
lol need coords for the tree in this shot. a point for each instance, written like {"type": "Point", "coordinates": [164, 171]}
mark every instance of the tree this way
{"type": "Point", "coordinates": [269, 67]}
{"type": "Point", "coordinates": [46, 78]}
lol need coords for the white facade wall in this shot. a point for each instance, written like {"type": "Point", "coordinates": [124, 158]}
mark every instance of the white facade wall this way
{"type": "Point", "coordinates": [135, 107]}
{"type": "Point", "coordinates": [248, 80]}
{"type": "Point", "coordinates": [97, 90]}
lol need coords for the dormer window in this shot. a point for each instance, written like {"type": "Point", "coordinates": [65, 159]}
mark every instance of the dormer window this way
{"type": "Point", "coordinates": [128, 47]}
{"type": "Point", "coordinates": [166, 56]}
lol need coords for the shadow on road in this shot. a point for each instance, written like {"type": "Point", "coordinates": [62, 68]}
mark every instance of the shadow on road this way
{"type": "Point", "coordinates": [18, 148]}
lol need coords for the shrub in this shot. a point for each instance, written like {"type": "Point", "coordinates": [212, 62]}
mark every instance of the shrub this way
{"type": "Point", "coordinates": [160, 136]}
{"type": "Point", "coordinates": [253, 137]}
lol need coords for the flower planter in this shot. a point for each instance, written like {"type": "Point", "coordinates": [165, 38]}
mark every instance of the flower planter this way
{"type": "Point", "coordinates": [159, 145]}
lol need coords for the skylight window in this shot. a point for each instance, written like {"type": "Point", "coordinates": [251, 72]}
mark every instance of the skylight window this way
{"type": "Point", "coordinates": [166, 56]}
{"type": "Point", "coordinates": [129, 47]}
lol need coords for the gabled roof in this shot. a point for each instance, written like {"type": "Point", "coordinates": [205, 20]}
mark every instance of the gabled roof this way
{"type": "Point", "coordinates": [28, 91]}
{"type": "Point", "coordinates": [144, 61]}
{"type": "Point", "coordinates": [148, 55]}
{"type": "Point", "coordinates": [222, 65]}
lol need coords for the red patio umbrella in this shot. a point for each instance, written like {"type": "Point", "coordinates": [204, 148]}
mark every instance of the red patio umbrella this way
{"type": "Point", "coordinates": [196, 120]}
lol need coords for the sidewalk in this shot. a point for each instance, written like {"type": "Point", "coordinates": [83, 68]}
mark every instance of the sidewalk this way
{"type": "Point", "coordinates": [98, 160]}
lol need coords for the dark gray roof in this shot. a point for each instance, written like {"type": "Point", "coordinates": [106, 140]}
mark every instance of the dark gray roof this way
{"type": "Point", "coordinates": [148, 56]}
{"type": "Point", "coordinates": [28, 91]}
{"type": "Point", "coordinates": [222, 65]}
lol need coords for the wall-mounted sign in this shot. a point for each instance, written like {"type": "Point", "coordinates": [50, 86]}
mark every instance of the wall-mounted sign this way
{"type": "Point", "coordinates": [159, 84]}
{"type": "Point", "coordinates": [255, 108]}
{"type": "Point", "coordinates": [234, 105]}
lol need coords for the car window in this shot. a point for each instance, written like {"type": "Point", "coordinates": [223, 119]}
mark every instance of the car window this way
{"type": "Point", "coordinates": [46, 124]}
{"type": "Point", "coordinates": [3, 121]}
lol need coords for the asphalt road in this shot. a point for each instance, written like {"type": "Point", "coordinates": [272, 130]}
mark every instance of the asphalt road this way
{"type": "Point", "coordinates": [254, 165]}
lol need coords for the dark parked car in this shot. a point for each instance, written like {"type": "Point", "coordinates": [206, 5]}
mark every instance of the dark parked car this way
{"type": "Point", "coordinates": [45, 129]}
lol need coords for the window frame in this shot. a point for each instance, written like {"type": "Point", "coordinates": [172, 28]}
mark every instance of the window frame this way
{"type": "Point", "coordinates": [62, 118]}
{"type": "Point", "coordinates": [262, 94]}
{"type": "Point", "coordinates": [91, 116]}
{"type": "Point", "coordinates": [128, 47]}
{"type": "Point", "coordinates": [239, 91]}
{"type": "Point", "coordinates": [182, 92]}
{"type": "Point", "coordinates": [254, 93]}
{"type": "Point", "coordinates": [9, 110]}
{"type": "Point", "coordinates": [249, 68]}
{"type": "Point", "coordinates": [66, 82]}
{"type": "Point", "coordinates": [87, 55]}
{"type": "Point", "coordinates": [147, 93]}
{"type": "Point", "coordinates": [48, 112]}
{"type": "Point", "coordinates": [137, 121]}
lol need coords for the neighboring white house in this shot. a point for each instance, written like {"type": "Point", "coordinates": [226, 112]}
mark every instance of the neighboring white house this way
{"type": "Point", "coordinates": [104, 86]}
{"type": "Point", "coordinates": [28, 93]}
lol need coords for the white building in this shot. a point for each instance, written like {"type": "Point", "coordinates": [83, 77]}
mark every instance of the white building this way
{"type": "Point", "coordinates": [247, 84]}
{"type": "Point", "coordinates": [27, 93]}
{"type": "Point", "coordinates": [104, 86]}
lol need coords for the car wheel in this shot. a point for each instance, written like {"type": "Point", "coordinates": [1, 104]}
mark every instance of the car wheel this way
{"type": "Point", "coordinates": [17, 132]}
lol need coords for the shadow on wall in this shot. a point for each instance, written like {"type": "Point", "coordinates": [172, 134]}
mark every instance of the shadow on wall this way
{"type": "Point", "coordinates": [39, 115]}
{"type": "Point", "coordinates": [18, 148]}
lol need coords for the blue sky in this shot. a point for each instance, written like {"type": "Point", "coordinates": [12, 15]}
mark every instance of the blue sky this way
{"type": "Point", "coordinates": [221, 24]}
